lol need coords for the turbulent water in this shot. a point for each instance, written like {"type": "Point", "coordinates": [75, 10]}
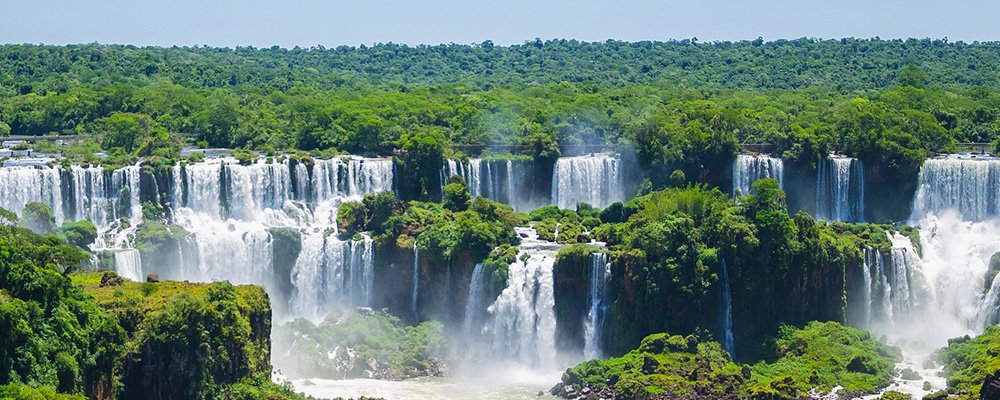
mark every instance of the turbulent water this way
{"type": "Point", "coordinates": [128, 264]}
{"type": "Point", "coordinates": [595, 179]}
{"type": "Point", "coordinates": [748, 169]}
{"type": "Point", "coordinates": [924, 299]}
{"type": "Point", "coordinates": [840, 190]}
{"type": "Point", "coordinates": [597, 305]}
{"type": "Point", "coordinates": [523, 316]}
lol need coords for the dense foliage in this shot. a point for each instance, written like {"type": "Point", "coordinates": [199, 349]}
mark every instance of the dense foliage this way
{"type": "Point", "coordinates": [683, 105]}
{"type": "Point", "coordinates": [669, 250]}
{"type": "Point", "coordinates": [177, 340]}
{"type": "Point", "coordinates": [968, 362]}
{"type": "Point", "coordinates": [52, 334]}
{"type": "Point", "coordinates": [818, 356]}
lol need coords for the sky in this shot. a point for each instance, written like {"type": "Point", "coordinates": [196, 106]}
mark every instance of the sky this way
{"type": "Point", "coordinates": [330, 23]}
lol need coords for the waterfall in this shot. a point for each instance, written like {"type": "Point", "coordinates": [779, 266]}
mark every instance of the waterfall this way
{"type": "Point", "coordinates": [840, 190]}
{"type": "Point", "coordinates": [503, 180]}
{"type": "Point", "coordinates": [416, 283]}
{"type": "Point", "coordinates": [331, 273]}
{"type": "Point", "coordinates": [595, 179]}
{"type": "Point", "coordinates": [748, 169]}
{"type": "Point", "coordinates": [472, 323]}
{"type": "Point", "coordinates": [523, 316]}
{"type": "Point", "coordinates": [728, 342]}
{"type": "Point", "coordinates": [597, 305]}
{"type": "Point", "coordinates": [128, 264]}
{"type": "Point", "coordinates": [969, 187]}
{"type": "Point", "coordinates": [228, 208]}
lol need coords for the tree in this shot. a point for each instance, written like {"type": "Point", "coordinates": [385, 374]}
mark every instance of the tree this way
{"type": "Point", "coordinates": [38, 217]}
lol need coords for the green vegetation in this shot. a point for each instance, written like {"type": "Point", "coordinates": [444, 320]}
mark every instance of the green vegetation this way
{"type": "Point", "coordinates": [368, 345]}
{"type": "Point", "coordinates": [968, 362]}
{"type": "Point", "coordinates": [439, 231]}
{"type": "Point", "coordinates": [818, 356]}
{"type": "Point", "coordinates": [684, 105]}
{"type": "Point", "coordinates": [668, 252]}
{"type": "Point", "coordinates": [69, 336]}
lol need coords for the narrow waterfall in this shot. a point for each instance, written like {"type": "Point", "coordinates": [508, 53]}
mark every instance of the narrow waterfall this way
{"type": "Point", "coordinates": [728, 341]}
{"type": "Point", "coordinates": [416, 283]}
{"type": "Point", "coordinates": [597, 306]}
{"type": "Point", "coordinates": [472, 322]}
{"type": "Point", "coordinates": [595, 179]}
{"type": "Point", "coordinates": [748, 169]}
{"type": "Point", "coordinates": [129, 265]}
{"type": "Point", "coordinates": [840, 190]}
{"type": "Point", "coordinates": [524, 322]}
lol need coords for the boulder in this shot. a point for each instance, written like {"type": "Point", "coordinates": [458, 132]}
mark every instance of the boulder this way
{"type": "Point", "coordinates": [152, 278]}
{"type": "Point", "coordinates": [991, 387]}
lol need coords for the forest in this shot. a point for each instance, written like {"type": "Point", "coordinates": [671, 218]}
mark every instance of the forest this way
{"type": "Point", "coordinates": [394, 212]}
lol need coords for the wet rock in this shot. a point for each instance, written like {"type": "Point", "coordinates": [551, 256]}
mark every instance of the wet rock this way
{"type": "Point", "coordinates": [649, 365]}
{"type": "Point", "coordinates": [110, 279]}
{"type": "Point", "coordinates": [991, 387]}
{"type": "Point", "coordinates": [152, 278]}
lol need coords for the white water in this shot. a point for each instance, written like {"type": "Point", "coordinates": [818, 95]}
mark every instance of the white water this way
{"type": "Point", "coordinates": [472, 324]}
{"type": "Point", "coordinates": [523, 384]}
{"type": "Point", "coordinates": [129, 265]}
{"type": "Point", "coordinates": [840, 190]}
{"type": "Point", "coordinates": [748, 169]}
{"type": "Point", "coordinates": [416, 283]}
{"type": "Point", "coordinates": [523, 317]}
{"type": "Point", "coordinates": [728, 340]}
{"type": "Point", "coordinates": [597, 306]}
{"type": "Point", "coordinates": [595, 179]}
{"type": "Point", "coordinates": [920, 302]}
{"type": "Point", "coordinates": [506, 181]}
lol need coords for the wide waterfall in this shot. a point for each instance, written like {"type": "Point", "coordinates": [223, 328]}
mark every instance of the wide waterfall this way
{"type": "Point", "coordinates": [230, 208]}
{"type": "Point", "coordinates": [748, 169]}
{"type": "Point", "coordinates": [728, 340]}
{"type": "Point", "coordinates": [523, 316]}
{"type": "Point", "coordinates": [595, 179]}
{"type": "Point", "coordinates": [229, 211]}
{"type": "Point", "coordinates": [840, 190]}
{"type": "Point", "coordinates": [80, 193]}
{"type": "Point", "coordinates": [969, 187]}
{"type": "Point", "coordinates": [597, 305]}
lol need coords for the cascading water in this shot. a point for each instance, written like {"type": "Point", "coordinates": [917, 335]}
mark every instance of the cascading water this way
{"type": "Point", "coordinates": [523, 316]}
{"type": "Point", "coordinates": [416, 283]}
{"type": "Point", "coordinates": [597, 306]}
{"type": "Point", "coordinates": [728, 341]}
{"type": "Point", "coordinates": [128, 264]}
{"type": "Point", "coordinates": [474, 303]}
{"type": "Point", "coordinates": [504, 180]}
{"type": "Point", "coordinates": [893, 284]}
{"type": "Point", "coordinates": [840, 190]}
{"type": "Point", "coordinates": [748, 169]}
{"type": "Point", "coordinates": [331, 273]}
{"type": "Point", "coordinates": [595, 179]}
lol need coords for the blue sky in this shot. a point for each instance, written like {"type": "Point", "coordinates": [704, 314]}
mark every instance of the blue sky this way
{"type": "Point", "coordinates": [330, 23]}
